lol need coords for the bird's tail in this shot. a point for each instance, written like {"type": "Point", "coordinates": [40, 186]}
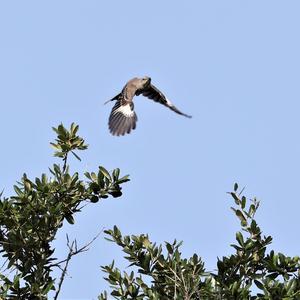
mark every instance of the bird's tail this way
{"type": "Point", "coordinates": [114, 98]}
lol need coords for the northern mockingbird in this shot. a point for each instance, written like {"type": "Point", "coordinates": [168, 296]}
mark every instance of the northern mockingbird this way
{"type": "Point", "coordinates": [123, 118]}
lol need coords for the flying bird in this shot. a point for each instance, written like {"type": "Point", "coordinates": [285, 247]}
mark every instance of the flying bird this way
{"type": "Point", "coordinates": [123, 118]}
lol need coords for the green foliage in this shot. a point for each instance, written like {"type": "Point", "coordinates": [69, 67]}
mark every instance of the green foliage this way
{"type": "Point", "coordinates": [171, 275]}
{"type": "Point", "coordinates": [249, 273]}
{"type": "Point", "coordinates": [67, 141]}
{"type": "Point", "coordinates": [30, 219]}
{"type": "Point", "coordinates": [276, 275]}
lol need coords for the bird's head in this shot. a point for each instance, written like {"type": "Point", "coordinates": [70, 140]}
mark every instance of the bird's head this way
{"type": "Point", "coordinates": [146, 81]}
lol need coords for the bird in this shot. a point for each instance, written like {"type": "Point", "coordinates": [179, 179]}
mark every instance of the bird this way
{"type": "Point", "coordinates": [123, 118]}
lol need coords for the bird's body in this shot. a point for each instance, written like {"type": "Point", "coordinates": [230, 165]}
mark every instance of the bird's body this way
{"type": "Point", "coordinates": [123, 117]}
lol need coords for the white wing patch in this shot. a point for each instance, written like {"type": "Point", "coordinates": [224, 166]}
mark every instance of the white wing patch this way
{"type": "Point", "coordinates": [125, 110]}
{"type": "Point", "coordinates": [169, 103]}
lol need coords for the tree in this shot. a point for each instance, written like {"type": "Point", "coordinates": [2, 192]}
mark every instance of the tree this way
{"type": "Point", "coordinates": [30, 219]}
{"type": "Point", "coordinates": [249, 273]}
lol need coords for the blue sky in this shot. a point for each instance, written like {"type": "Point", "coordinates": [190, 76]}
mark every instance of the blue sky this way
{"type": "Point", "coordinates": [233, 65]}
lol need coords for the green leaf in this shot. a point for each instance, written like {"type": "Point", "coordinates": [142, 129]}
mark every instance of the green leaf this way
{"type": "Point", "coordinates": [59, 154]}
{"type": "Point", "coordinates": [252, 210]}
{"type": "Point", "coordinates": [169, 248]}
{"type": "Point", "coordinates": [70, 219]}
{"type": "Point", "coordinates": [241, 216]}
{"type": "Point", "coordinates": [100, 179]}
{"type": "Point", "coordinates": [239, 238]}
{"type": "Point", "coordinates": [74, 129]}
{"type": "Point", "coordinates": [94, 177]}
{"type": "Point", "coordinates": [55, 146]}
{"type": "Point", "coordinates": [243, 204]}
{"type": "Point", "coordinates": [94, 199]}
{"type": "Point", "coordinates": [235, 188]}
{"type": "Point", "coordinates": [105, 172]}
{"type": "Point", "coordinates": [146, 242]}
{"type": "Point", "coordinates": [88, 175]}
{"type": "Point", "coordinates": [236, 198]}
{"type": "Point", "coordinates": [18, 191]}
{"type": "Point", "coordinates": [259, 284]}
{"type": "Point", "coordinates": [123, 179]}
{"type": "Point", "coordinates": [116, 173]}
{"type": "Point", "coordinates": [48, 287]}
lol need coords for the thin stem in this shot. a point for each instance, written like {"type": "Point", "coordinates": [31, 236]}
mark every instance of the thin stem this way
{"type": "Point", "coordinates": [63, 274]}
{"type": "Point", "coordinates": [65, 162]}
{"type": "Point", "coordinates": [73, 250]}
{"type": "Point", "coordinates": [76, 251]}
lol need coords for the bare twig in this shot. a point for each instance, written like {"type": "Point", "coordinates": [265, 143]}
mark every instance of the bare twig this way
{"type": "Point", "coordinates": [5, 261]}
{"type": "Point", "coordinates": [242, 190]}
{"type": "Point", "coordinates": [63, 274]}
{"type": "Point", "coordinates": [73, 250]}
{"type": "Point", "coordinates": [77, 251]}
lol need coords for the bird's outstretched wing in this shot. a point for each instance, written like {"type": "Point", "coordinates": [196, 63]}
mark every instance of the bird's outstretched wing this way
{"type": "Point", "coordinates": [122, 118]}
{"type": "Point", "coordinates": [156, 95]}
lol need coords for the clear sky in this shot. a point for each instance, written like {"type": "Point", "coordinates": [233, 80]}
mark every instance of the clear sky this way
{"type": "Point", "coordinates": [233, 65]}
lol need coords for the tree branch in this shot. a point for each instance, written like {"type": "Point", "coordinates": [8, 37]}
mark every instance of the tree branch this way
{"type": "Point", "coordinates": [77, 251]}
{"type": "Point", "coordinates": [73, 250]}
{"type": "Point", "coordinates": [65, 162]}
{"type": "Point", "coordinates": [63, 274]}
